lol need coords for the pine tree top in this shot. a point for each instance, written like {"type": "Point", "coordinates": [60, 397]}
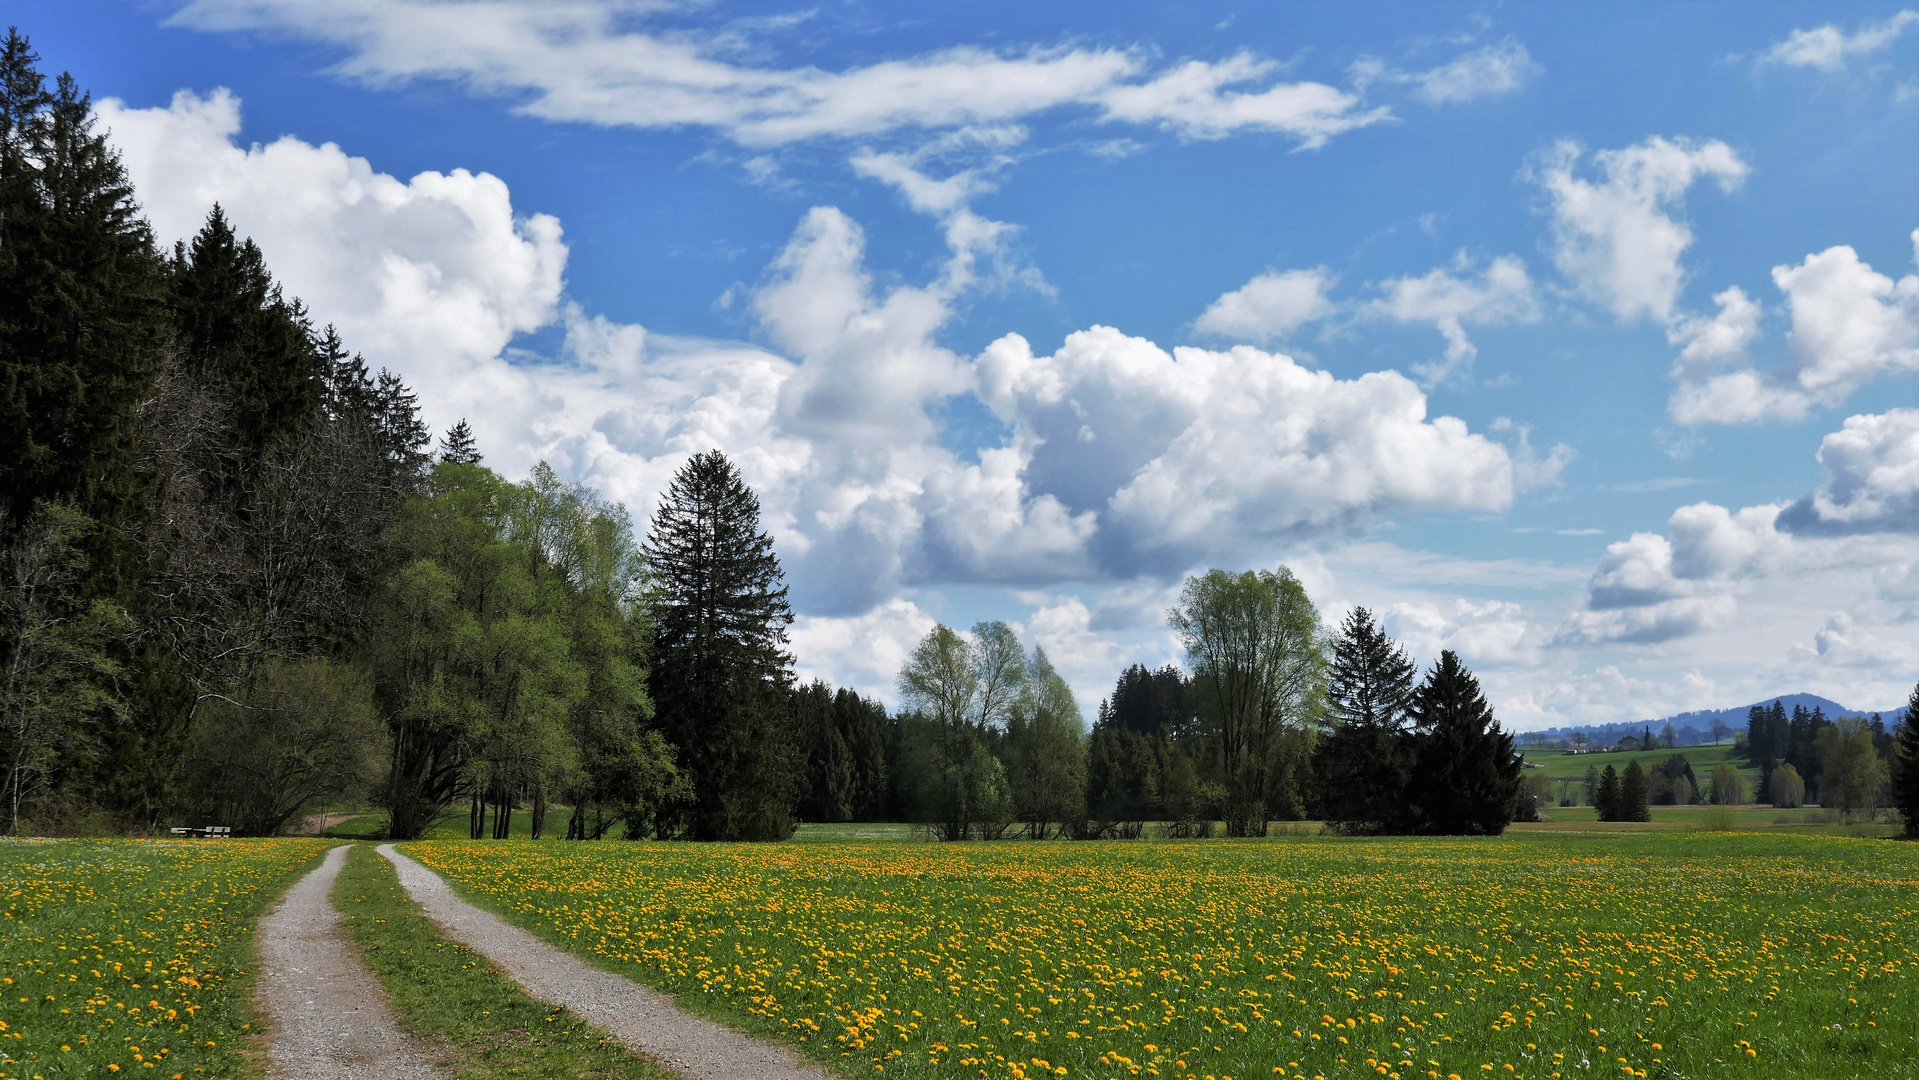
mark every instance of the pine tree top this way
{"type": "Point", "coordinates": [1371, 682]}
{"type": "Point", "coordinates": [720, 595]}
{"type": "Point", "coordinates": [458, 447]}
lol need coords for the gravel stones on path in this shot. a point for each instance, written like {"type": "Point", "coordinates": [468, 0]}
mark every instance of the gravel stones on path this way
{"type": "Point", "coordinates": [330, 1019]}
{"type": "Point", "coordinates": [640, 1018]}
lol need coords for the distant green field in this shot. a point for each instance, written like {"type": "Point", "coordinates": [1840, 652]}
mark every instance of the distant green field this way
{"type": "Point", "coordinates": [1702, 758]}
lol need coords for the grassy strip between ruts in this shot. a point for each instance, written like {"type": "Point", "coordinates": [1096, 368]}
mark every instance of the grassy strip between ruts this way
{"type": "Point", "coordinates": [474, 1019]}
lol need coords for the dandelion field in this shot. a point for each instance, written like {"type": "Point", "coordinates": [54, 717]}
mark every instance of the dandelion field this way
{"type": "Point", "coordinates": [120, 957]}
{"type": "Point", "coordinates": [1658, 955]}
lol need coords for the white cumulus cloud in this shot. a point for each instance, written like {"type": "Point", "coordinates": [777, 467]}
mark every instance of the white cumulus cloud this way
{"type": "Point", "coordinates": [1651, 588]}
{"type": "Point", "coordinates": [1872, 478]}
{"type": "Point", "coordinates": [1453, 297]}
{"type": "Point", "coordinates": [1195, 450]}
{"type": "Point", "coordinates": [1615, 237]}
{"type": "Point", "coordinates": [1481, 632]}
{"type": "Point", "coordinates": [1850, 325]}
{"type": "Point", "coordinates": [1270, 306]}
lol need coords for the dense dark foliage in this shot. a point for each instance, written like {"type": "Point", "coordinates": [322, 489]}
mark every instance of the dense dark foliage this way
{"type": "Point", "coordinates": [1466, 775]}
{"type": "Point", "coordinates": [1906, 778]}
{"type": "Point", "coordinates": [1365, 761]}
{"type": "Point", "coordinates": [721, 673]}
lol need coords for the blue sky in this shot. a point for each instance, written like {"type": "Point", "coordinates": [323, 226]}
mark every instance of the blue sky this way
{"type": "Point", "coordinates": [1579, 339]}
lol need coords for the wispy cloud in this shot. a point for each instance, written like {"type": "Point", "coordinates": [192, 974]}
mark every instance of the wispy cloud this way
{"type": "Point", "coordinates": [1663, 483]}
{"type": "Point", "coordinates": [597, 63]}
{"type": "Point", "coordinates": [1831, 50]}
{"type": "Point", "coordinates": [1504, 67]}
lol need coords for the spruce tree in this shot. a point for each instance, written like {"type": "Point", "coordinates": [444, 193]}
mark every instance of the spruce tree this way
{"type": "Point", "coordinates": [1758, 734]}
{"type": "Point", "coordinates": [1633, 792]}
{"type": "Point", "coordinates": [1907, 779]}
{"type": "Point", "coordinates": [1606, 797]}
{"type": "Point", "coordinates": [237, 337]}
{"type": "Point", "coordinates": [721, 670]}
{"type": "Point", "coordinates": [82, 314]}
{"type": "Point", "coordinates": [458, 447]}
{"type": "Point", "coordinates": [1364, 764]}
{"type": "Point", "coordinates": [1466, 780]}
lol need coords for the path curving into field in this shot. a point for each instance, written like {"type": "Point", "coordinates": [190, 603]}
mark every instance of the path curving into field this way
{"type": "Point", "coordinates": [329, 1015]}
{"type": "Point", "coordinates": [641, 1018]}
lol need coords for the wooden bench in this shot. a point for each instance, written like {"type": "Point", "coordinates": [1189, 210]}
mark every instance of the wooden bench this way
{"type": "Point", "coordinates": [210, 831]}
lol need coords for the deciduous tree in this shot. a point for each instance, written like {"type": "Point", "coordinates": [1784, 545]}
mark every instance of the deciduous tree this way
{"type": "Point", "coordinates": [1258, 656]}
{"type": "Point", "coordinates": [1728, 785]}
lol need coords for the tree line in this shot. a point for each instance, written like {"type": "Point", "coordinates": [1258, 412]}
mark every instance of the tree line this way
{"type": "Point", "coordinates": [1852, 763]}
{"type": "Point", "coordinates": [1273, 719]}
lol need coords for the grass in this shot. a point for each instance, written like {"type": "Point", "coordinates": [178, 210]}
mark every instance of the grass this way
{"type": "Point", "coordinates": [1810, 820]}
{"type": "Point", "coordinates": [367, 826]}
{"type": "Point", "coordinates": [477, 1022]}
{"type": "Point", "coordinates": [371, 825]}
{"type": "Point", "coordinates": [859, 833]}
{"type": "Point", "coordinates": [124, 956]}
{"type": "Point", "coordinates": [1679, 953]}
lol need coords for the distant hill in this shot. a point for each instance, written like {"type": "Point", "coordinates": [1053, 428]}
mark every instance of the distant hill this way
{"type": "Point", "coordinates": [1694, 728]}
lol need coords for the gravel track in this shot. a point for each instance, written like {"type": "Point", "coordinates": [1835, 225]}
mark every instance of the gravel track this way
{"type": "Point", "coordinates": [640, 1018]}
{"type": "Point", "coordinates": [329, 1015]}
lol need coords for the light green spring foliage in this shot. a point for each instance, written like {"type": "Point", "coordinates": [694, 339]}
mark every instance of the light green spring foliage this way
{"type": "Point", "coordinates": [1045, 750]}
{"type": "Point", "coordinates": [514, 642]}
{"type": "Point", "coordinates": [1728, 785]}
{"type": "Point", "coordinates": [1853, 776]}
{"type": "Point", "coordinates": [995, 737]}
{"type": "Point", "coordinates": [1788, 788]}
{"type": "Point", "coordinates": [1259, 659]}
{"type": "Point", "coordinates": [1748, 957]}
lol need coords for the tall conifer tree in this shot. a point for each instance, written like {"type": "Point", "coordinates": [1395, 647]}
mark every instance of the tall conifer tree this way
{"type": "Point", "coordinates": [82, 312]}
{"type": "Point", "coordinates": [1466, 780]}
{"type": "Point", "coordinates": [721, 669]}
{"type": "Point", "coordinates": [1633, 791]}
{"type": "Point", "coordinates": [1365, 762]}
{"type": "Point", "coordinates": [1606, 795]}
{"type": "Point", "coordinates": [240, 339]}
{"type": "Point", "coordinates": [1908, 760]}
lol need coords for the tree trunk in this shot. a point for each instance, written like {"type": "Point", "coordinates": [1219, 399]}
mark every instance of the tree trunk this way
{"type": "Point", "coordinates": [503, 816]}
{"type": "Point", "coordinates": [539, 811]}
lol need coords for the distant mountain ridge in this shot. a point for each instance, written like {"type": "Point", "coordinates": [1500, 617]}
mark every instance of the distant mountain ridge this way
{"type": "Point", "coordinates": [1694, 728]}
